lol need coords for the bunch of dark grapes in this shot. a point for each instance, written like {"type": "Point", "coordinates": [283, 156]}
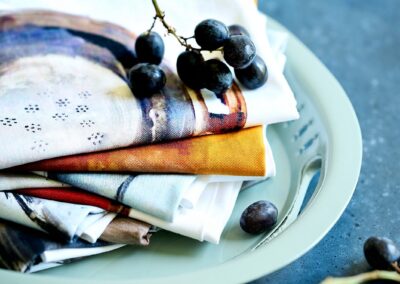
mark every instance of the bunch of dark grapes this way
{"type": "Point", "coordinates": [234, 42]}
{"type": "Point", "coordinates": [238, 51]}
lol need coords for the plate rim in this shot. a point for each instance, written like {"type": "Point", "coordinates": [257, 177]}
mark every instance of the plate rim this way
{"type": "Point", "coordinates": [254, 264]}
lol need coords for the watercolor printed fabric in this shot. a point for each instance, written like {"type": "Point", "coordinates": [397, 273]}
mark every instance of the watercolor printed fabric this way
{"type": "Point", "coordinates": [128, 231]}
{"type": "Point", "coordinates": [61, 220]}
{"type": "Point", "coordinates": [272, 103]}
{"type": "Point", "coordinates": [161, 196]}
{"type": "Point", "coordinates": [45, 105]}
{"type": "Point", "coordinates": [26, 250]}
{"type": "Point", "coordinates": [204, 222]}
{"type": "Point", "coordinates": [158, 195]}
{"type": "Point", "coordinates": [76, 196]}
{"type": "Point", "coordinates": [211, 154]}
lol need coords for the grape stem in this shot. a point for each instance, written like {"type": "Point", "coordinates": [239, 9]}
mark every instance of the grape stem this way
{"type": "Point", "coordinates": [364, 277]}
{"type": "Point", "coordinates": [170, 29]}
{"type": "Point", "coordinates": [395, 266]}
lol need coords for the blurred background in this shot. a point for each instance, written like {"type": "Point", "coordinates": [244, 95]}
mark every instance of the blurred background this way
{"type": "Point", "coordinates": [359, 42]}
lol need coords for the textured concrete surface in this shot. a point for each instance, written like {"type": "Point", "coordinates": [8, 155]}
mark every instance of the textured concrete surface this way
{"type": "Point", "coordinates": [359, 41]}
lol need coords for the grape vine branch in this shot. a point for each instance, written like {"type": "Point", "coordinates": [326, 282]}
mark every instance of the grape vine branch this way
{"type": "Point", "coordinates": [160, 14]}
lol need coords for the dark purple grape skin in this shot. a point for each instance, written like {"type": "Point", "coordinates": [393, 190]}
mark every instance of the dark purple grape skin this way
{"type": "Point", "coordinates": [380, 252]}
{"type": "Point", "coordinates": [239, 51]}
{"type": "Point", "coordinates": [211, 34]}
{"type": "Point", "coordinates": [150, 48]}
{"type": "Point", "coordinates": [259, 217]}
{"type": "Point", "coordinates": [216, 76]}
{"type": "Point", "coordinates": [190, 65]}
{"type": "Point", "coordinates": [253, 76]}
{"type": "Point", "coordinates": [146, 79]}
{"type": "Point", "coordinates": [238, 30]}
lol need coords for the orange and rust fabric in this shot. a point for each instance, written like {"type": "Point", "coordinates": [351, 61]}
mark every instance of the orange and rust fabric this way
{"type": "Point", "coordinates": [241, 153]}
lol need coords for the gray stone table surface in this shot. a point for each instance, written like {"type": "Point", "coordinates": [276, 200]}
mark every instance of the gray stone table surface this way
{"type": "Point", "coordinates": [359, 42]}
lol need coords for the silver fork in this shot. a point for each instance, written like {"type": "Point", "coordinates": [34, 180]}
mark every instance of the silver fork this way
{"type": "Point", "coordinates": [308, 144]}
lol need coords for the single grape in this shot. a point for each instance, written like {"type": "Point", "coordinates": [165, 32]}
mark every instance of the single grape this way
{"type": "Point", "coordinates": [149, 48]}
{"type": "Point", "coordinates": [239, 51]}
{"type": "Point", "coordinates": [380, 253]}
{"type": "Point", "coordinates": [217, 76]}
{"type": "Point", "coordinates": [211, 34]}
{"type": "Point", "coordinates": [146, 79]}
{"type": "Point", "coordinates": [253, 76]}
{"type": "Point", "coordinates": [259, 217]}
{"type": "Point", "coordinates": [238, 30]}
{"type": "Point", "coordinates": [190, 65]}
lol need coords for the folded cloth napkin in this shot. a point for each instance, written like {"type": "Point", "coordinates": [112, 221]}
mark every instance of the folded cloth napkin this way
{"type": "Point", "coordinates": [27, 250]}
{"type": "Point", "coordinates": [67, 221]}
{"type": "Point", "coordinates": [76, 196]}
{"type": "Point", "coordinates": [204, 222]}
{"type": "Point", "coordinates": [10, 181]}
{"type": "Point", "coordinates": [161, 196]}
{"type": "Point", "coordinates": [212, 154]}
{"type": "Point", "coordinates": [46, 105]}
{"type": "Point", "coordinates": [207, 220]}
{"type": "Point", "coordinates": [157, 195]}
{"type": "Point", "coordinates": [243, 153]}
{"type": "Point", "coordinates": [62, 220]}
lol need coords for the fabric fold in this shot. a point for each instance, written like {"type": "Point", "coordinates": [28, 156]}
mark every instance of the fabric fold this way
{"type": "Point", "coordinates": [209, 218]}
{"type": "Point", "coordinates": [65, 216]}
{"type": "Point", "coordinates": [204, 222]}
{"type": "Point", "coordinates": [127, 231]}
{"type": "Point", "coordinates": [74, 196]}
{"type": "Point", "coordinates": [27, 250]}
{"type": "Point", "coordinates": [59, 219]}
{"type": "Point", "coordinates": [157, 195]}
{"type": "Point", "coordinates": [10, 181]}
{"type": "Point", "coordinates": [221, 154]}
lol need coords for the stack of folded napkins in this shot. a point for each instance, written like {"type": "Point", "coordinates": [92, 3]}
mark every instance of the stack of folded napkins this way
{"type": "Point", "coordinates": [87, 167]}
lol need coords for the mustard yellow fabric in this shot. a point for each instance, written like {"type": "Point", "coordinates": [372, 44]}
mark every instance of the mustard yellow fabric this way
{"type": "Point", "coordinates": [239, 153]}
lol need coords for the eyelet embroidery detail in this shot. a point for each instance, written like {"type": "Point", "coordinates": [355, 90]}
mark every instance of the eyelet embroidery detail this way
{"type": "Point", "coordinates": [33, 127]}
{"type": "Point", "coordinates": [63, 102]}
{"type": "Point", "coordinates": [84, 94]}
{"type": "Point", "coordinates": [96, 138]}
{"type": "Point", "coordinates": [82, 108]}
{"type": "Point", "coordinates": [31, 108]}
{"type": "Point", "coordinates": [87, 123]}
{"type": "Point", "coordinates": [39, 146]}
{"type": "Point", "coordinates": [8, 121]}
{"type": "Point", "coordinates": [60, 116]}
